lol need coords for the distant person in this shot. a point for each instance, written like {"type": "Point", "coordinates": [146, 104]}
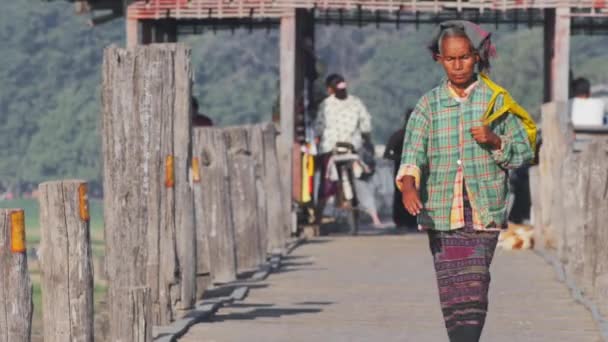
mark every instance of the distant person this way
{"type": "Point", "coordinates": [393, 150]}
{"type": "Point", "coordinates": [584, 110]}
{"type": "Point", "coordinates": [341, 117]}
{"type": "Point", "coordinates": [199, 119]}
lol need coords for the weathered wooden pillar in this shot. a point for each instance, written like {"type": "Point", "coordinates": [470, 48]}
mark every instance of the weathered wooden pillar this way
{"type": "Point", "coordinates": [216, 249]}
{"type": "Point", "coordinates": [556, 144]}
{"type": "Point", "coordinates": [65, 261]}
{"type": "Point", "coordinates": [148, 203]}
{"type": "Point", "coordinates": [557, 54]}
{"type": "Point", "coordinates": [140, 314]}
{"type": "Point", "coordinates": [595, 203]}
{"type": "Point", "coordinates": [203, 265]}
{"type": "Point", "coordinates": [275, 206]}
{"type": "Point", "coordinates": [296, 43]}
{"type": "Point", "coordinates": [15, 284]}
{"type": "Point", "coordinates": [243, 192]}
{"type": "Point", "coordinates": [598, 204]}
{"type": "Point", "coordinates": [287, 46]}
{"type": "Point", "coordinates": [256, 143]}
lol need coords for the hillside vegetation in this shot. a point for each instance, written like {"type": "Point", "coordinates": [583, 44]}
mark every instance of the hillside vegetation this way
{"type": "Point", "coordinates": [50, 80]}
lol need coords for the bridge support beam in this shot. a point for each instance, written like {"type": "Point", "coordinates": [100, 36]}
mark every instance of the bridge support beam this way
{"type": "Point", "coordinates": [557, 55]}
{"type": "Point", "coordinates": [296, 41]}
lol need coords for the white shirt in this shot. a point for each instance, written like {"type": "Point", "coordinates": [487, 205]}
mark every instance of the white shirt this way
{"type": "Point", "coordinates": [342, 121]}
{"type": "Point", "coordinates": [587, 112]}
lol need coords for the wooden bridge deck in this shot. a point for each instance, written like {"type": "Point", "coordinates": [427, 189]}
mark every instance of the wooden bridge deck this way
{"type": "Point", "coordinates": [381, 287]}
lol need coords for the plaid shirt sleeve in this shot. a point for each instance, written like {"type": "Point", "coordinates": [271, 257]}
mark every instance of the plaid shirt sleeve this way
{"type": "Point", "coordinates": [515, 150]}
{"type": "Point", "coordinates": [414, 157]}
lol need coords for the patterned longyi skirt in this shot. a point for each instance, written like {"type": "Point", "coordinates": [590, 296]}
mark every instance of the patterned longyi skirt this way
{"type": "Point", "coordinates": [462, 259]}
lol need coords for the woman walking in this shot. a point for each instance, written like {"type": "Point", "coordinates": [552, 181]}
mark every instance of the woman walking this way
{"type": "Point", "coordinates": [461, 138]}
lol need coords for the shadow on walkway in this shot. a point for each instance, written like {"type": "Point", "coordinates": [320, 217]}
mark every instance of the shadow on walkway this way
{"type": "Point", "coordinates": [263, 313]}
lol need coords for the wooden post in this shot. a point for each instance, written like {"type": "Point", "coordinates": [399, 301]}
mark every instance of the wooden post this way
{"type": "Point", "coordinates": [594, 203]}
{"type": "Point", "coordinates": [557, 141]}
{"type": "Point", "coordinates": [557, 54]}
{"type": "Point", "coordinates": [287, 45]}
{"type": "Point", "coordinates": [241, 168]}
{"type": "Point", "coordinates": [148, 207]}
{"type": "Point", "coordinates": [577, 180]}
{"type": "Point", "coordinates": [215, 227]}
{"type": "Point", "coordinates": [203, 258]}
{"type": "Point", "coordinates": [140, 314]}
{"type": "Point", "coordinates": [15, 284]}
{"type": "Point", "coordinates": [256, 142]}
{"type": "Point", "coordinates": [277, 234]}
{"type": "Point", "coordinates": [597, 208]}
{"type": "Point", "coordinates": [65, 261]}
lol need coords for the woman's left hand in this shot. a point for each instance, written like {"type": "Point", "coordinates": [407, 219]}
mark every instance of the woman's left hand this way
{"type": "Point", "coordinates": [484, 135]}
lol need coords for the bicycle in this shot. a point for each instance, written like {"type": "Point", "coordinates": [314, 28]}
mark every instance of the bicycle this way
{"type": "Point", "coordinates": [345, 158]}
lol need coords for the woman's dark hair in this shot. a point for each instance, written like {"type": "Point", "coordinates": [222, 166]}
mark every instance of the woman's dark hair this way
{"type": "Point", "coordinates": [333, 81]}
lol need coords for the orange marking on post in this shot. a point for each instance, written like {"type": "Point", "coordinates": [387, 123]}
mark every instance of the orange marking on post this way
{"type": "Point", "coordinates": [17, 231]}
{"type": "Point", "coordinates": [83, 202]}
{"type": "Point", "coordinates": [169, 177]}
{"type": "Point", "coordinates": [196, 171]}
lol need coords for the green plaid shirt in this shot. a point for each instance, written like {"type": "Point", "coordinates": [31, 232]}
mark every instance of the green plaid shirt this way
{"type": "Point", "coordinates": [431, 147]}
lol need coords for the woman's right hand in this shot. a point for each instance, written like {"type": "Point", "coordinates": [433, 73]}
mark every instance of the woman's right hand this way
{"type": "Point", "coordinates": [410, 196]}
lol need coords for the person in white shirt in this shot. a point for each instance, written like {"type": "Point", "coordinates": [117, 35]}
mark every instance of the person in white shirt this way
{"type": "Point", "coordinates": [343, 118]}
{"type": "Point", "coordinates": [584, 110]}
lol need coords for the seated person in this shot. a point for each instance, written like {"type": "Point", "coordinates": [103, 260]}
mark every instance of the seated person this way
{"type": "Point", "coordinates": [584, 110]}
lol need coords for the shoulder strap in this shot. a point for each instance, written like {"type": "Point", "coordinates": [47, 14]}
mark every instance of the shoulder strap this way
{"type": "Point", "coordinates": [509, 106]}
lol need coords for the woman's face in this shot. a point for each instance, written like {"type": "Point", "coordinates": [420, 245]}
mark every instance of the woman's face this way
{"type": "Point", "coordinates": [458, 60]}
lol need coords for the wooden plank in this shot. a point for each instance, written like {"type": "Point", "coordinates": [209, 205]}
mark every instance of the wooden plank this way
{"type": "Point", "coordinates": [571, 252]}
{"type": "Point", "coordinates": [548, 39]}
{"type": "Point", "coordinates": [140, 314]}
{"type": "Point", "coordinates": [203, 259]}
{"type": "Point", "coordinates": [15, 284]}
{"type": "Point", "coordinates": [243, 192]}
{"type": "Point", "coordinates": [544, 236]}
{"type": "Point", "coordinates": [65, 261]}
{"type": "Point", "coordinates": [560, 63]}
{"type": "Point", "coordinates": [184, 200]}
{"type": "Point", "coordinates": [256, 143]}
{"type": "Point", "coordinates": [287, 46]}
{"type": "Point", "coordinates": [146, 94]}
{"type": "Point", "coordinates": [593, 203]}
{"type": "Point", "coordinates": [599, 205]}
{"type": "Point", "coordinates": [276, 206]}
{"type": "Point", "coordinates": [215, 227]}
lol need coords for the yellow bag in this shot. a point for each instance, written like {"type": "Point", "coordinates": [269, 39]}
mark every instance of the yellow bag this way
{"type": "Point", "coordinates": [510, 106]}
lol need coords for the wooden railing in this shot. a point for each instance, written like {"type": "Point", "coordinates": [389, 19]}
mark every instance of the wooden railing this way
{"type": "Point", "coordinates": [184, 207]}
{"type": "Point", "coordinates": [570, 203]}
{"type": "Point", "coordinates": [203, 9]}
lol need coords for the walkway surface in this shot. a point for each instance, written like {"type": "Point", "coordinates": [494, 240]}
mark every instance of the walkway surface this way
{"type": "Point", "coordinates": [381, 287]}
